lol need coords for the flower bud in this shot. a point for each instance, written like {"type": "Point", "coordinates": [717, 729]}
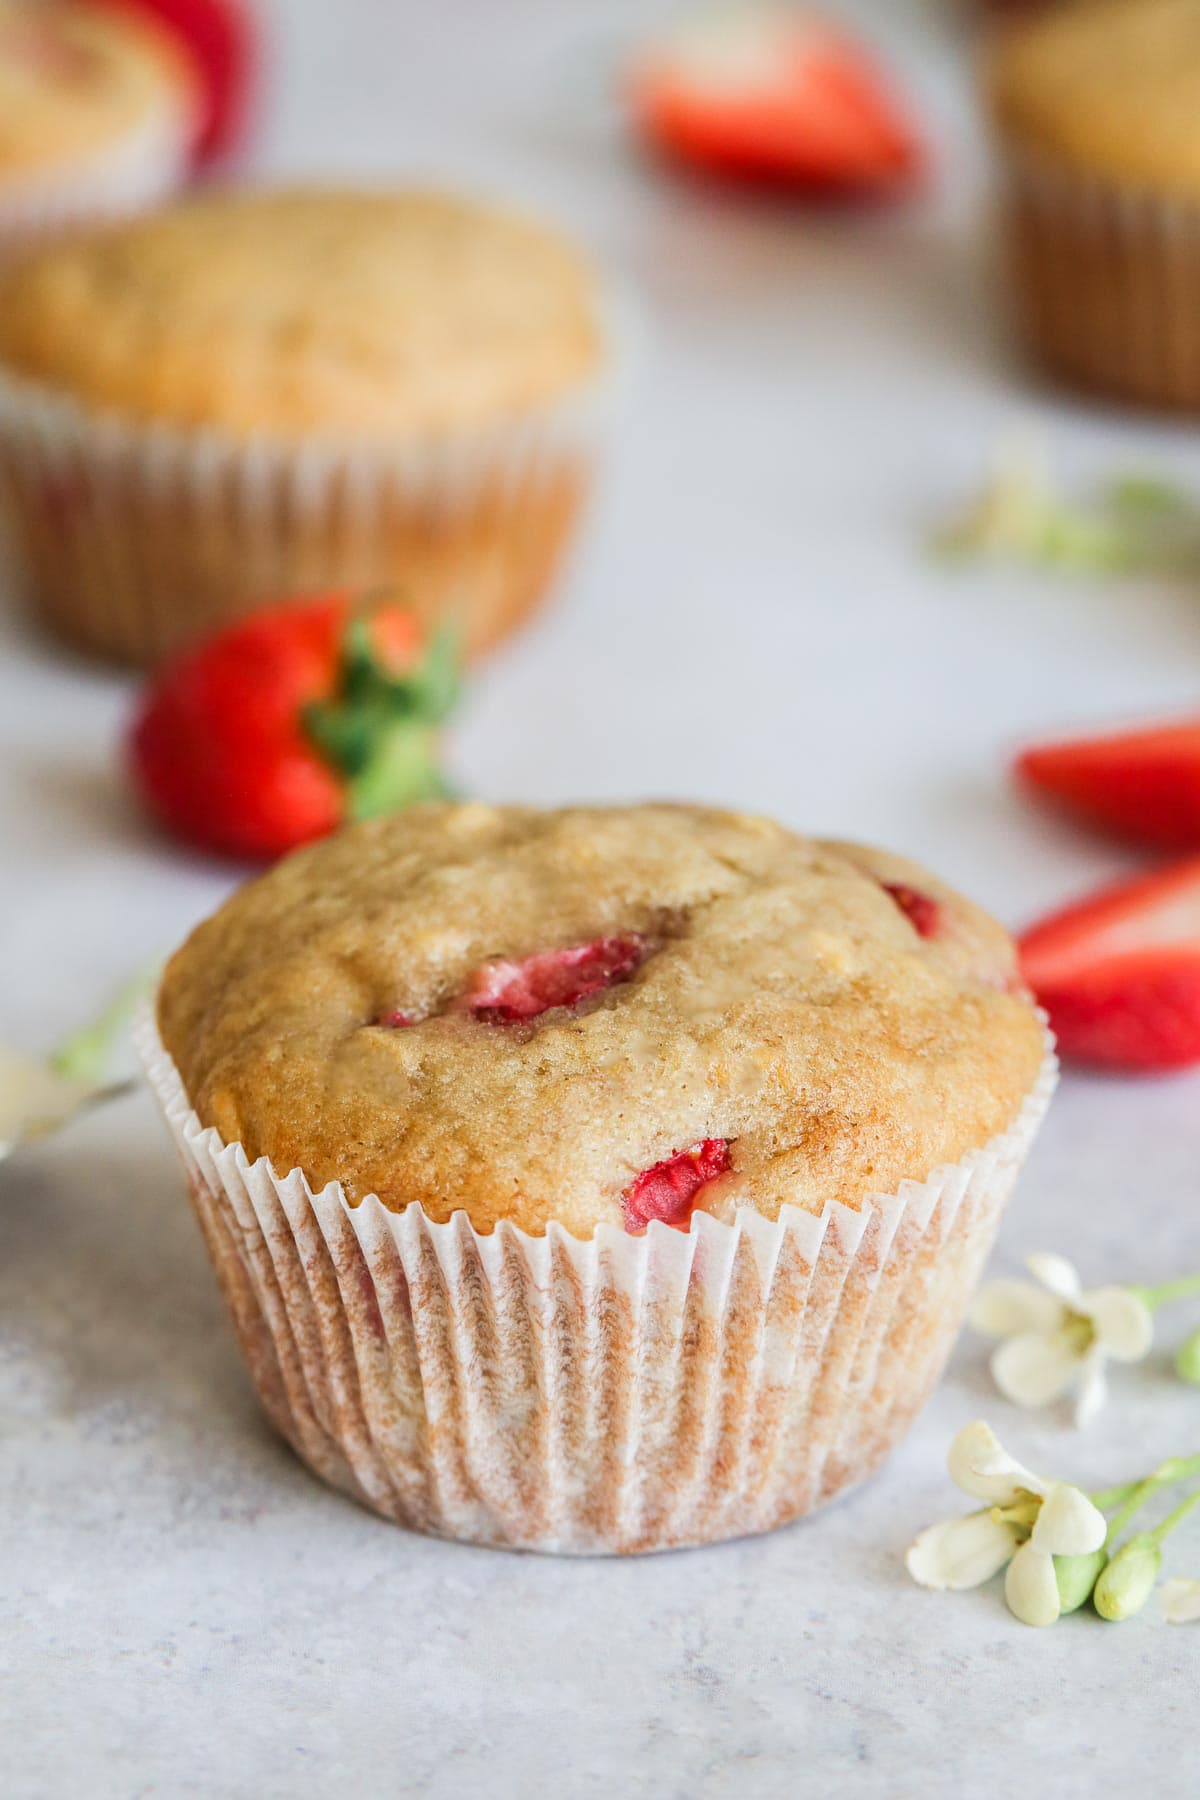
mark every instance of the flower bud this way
{"type": "Point", "coordinates": [1127, 1583]}
{"type": "Point", "coordinates": [1187, 1359]}
{"type": "Point", "coordinates": [1076, 1577]}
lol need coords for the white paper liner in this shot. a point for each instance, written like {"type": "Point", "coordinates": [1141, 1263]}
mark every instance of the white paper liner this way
{"type": "Point", "coordinates": [140, 169]}
{"type": "Point", "coordinates": [134, 539]}
{"type": "Point", "coordinates": [625, 1394]}
{"type": "Point", "coordinates": [1108, 280]}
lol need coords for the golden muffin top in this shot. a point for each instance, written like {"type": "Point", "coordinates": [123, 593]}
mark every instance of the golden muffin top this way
{"type": "Point", "coordinates": [1111, 86]}
{"type": "Point", "coordinates": [75, 80]}
{"type": "Point", "coordinates": [599, 1014]}
{"type": "Point", "coordinates": [308, 311]}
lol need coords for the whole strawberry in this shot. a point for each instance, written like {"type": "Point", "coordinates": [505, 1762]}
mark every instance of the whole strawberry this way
{"type": "Point", "coordinates": [293, 722]}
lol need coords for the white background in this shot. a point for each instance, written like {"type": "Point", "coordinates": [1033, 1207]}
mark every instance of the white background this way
{"type": "Point", "coordinates": [751, 617]}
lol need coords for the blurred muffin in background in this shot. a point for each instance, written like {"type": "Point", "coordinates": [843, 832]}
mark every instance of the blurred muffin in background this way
{"type": "Point", "coordinates": [97, 116]}
{"type": "Point", "coordinates": [261, 393]}
{"type": "Point", "coordinates": [1097, 107]}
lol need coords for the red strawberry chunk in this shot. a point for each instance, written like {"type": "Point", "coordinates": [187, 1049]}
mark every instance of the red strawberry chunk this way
{"type": "Point", "coordinates": [396, 1021]}
{"type": "Point", "coordinates": [221, 39]}
{"type": "Point", "coordinates": [670, 1189]}
{"type": "Point", "coordinates": [1119, 973]}
{"type": "Point", "coordinates": [922, 911]}
{"type": "Point", "coordinates": [505, 991]}
{"type": "Point", "coordinates": [761, 93]}
{"type": "Point", "coordinates": [1144, 784]}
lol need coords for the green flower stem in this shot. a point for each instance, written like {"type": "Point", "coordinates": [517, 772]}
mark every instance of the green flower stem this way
{"type": "Point", "coordinates": [1187, 1359]}
{"type": "Point", "coordinates": [1166, 1291]}
{"type": "Point", "coordinates": [1167, 1525]}
{"type": "Point", "coordinates": [86, 1054]}
{"type": "Point", "coordinates": [1112, 1496]}
{"type": "Point", "coordinates": [1176, 1469]}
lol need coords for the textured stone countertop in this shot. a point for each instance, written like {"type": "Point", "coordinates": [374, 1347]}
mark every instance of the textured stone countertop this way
{"type": "Point", "coordinates": [752, 617]}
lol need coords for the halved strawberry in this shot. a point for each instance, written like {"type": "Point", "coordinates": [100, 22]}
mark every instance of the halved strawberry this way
{"type": "Point", "coordinates": [1119, 973]}
{"type": "Point", "coordinates": [763, 93]}
{"type": "Point", "coordinates": [221, 40]}
{"type": "Point", "coordinates": [670, 1189]}
{"type": "Point", "coordinates": [504, 991]}
{"type": "Point", "coordinates": [1142, 784]}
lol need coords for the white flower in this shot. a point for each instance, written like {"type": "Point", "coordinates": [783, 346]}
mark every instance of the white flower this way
{"type": "Point", "coordinates": [1027, 1523]}
{"type": "Point", "coordinates": [36, 1098]}
{"type": "Point", "coordinates": [1057, 1337]}
{"type": "Point", "coordinates": [1180, 1600]}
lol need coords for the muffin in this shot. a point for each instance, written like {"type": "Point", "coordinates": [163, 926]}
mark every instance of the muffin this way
{"type": "Point", "coordinates": [596, 1180]}
{"type": "Point", "coordinates": [276, 392]}
{"type": "Point", "coordinates": [97, 115]}
{"type": "Point", "coordinates": [1097, 108]}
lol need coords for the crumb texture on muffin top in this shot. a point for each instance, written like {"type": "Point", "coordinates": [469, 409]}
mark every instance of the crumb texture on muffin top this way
{"type": "Point", "coordinates": [308, 311]}
{"type": "Point", "coordinates": [1110, 86]}
{"type": "Point", "coordinates": [746, 1017]}
{"type": "Point", "coordinates": [75, 79]}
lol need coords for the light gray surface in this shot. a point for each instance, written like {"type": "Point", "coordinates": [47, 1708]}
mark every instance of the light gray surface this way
{"type": "Point", "coordinates": [752, 618]}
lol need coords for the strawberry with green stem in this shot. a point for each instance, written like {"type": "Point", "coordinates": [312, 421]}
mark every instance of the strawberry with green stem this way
{"type": "Point", "coordinates": [295, 721]}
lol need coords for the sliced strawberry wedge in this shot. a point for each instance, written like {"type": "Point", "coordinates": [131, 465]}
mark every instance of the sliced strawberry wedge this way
{"type": "Point", "coordinates": [762, 93]}
{"type": "Point", "coordinates": [504, 991]}
{"type": "Point", "coordinates": [1141, 784]}
{"type": "Point", "coordinates": [670, 1189]}
{"type": "Point", "coordinates": [1119, 973]}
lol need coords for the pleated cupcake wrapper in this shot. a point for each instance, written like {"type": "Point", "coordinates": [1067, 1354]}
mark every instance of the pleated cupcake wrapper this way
{"type": "Point", "coordinates": [137, 538]}
{"type": "Point", "coordinates": [1108, 280]}
{"type": "Point", "coordinates": [142, 168]}
{"type": "Point", "coordinates": [622, 1394]}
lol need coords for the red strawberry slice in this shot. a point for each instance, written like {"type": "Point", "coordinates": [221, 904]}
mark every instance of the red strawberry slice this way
{"type": "Point", "coordinates": [670, 1189]}
{"type": "Point", "coordinates": [220, 39]}
{"type": "Point", "coordinates": [505, 991]}
{"type": "Point", "coordinates": [922, 911]}
{"type": "Point", "coordinates": [1119, 973]}
{"type": "Point", "coordinates": [1141, 784]}
{"type": "Point", "coordinates": [761, 93]}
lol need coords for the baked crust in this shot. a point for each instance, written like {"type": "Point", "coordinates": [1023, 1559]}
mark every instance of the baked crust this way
{"type": "Point", "coordinates": [787, 1005]}
{"type": "Point", "coordinates": [1108, 86]}
{"type": "Point", "coordinates": [75, 80]}
{"type": "Point", "coordinates": [304, 311]}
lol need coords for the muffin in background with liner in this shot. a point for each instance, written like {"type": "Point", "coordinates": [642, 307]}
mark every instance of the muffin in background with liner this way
{"type": "Point", "coordinates": [607, 1179]}
{"type": "Point", "coordinates": [267, 392]}
{"type": "Point", "coordinates": [1096, 105]}
{"type": "Point", "coordinates": [98, 111]}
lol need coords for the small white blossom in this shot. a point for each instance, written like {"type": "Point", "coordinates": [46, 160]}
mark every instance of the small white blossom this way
{"type": "Point", "coordinates": [36, 1099]}
{"type": "Point", "coordinates": [1027, 1523]}
{"type": "Point", "coordinates": [1180, 1600]}
{"type": "Point", "coordinates": [1057, 1336]}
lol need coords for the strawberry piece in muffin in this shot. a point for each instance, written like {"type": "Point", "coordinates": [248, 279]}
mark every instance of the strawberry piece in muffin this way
{"type": "Point", "coordinates": [670, 1189]}
{"type": "Point", "coordinates": [665, 984]}
{"type": "Point", "coordinates": [505, 991]}
{"type": "Point", "coordinates": [921, 910]}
